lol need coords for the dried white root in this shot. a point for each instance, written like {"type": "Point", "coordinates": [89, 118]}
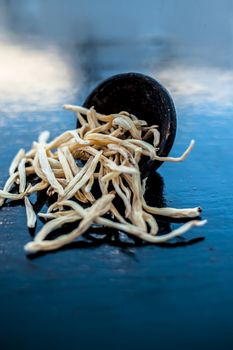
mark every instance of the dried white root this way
{"type": "Point", "coordinates": [47, 170]}
{"type": "Point", "coordinates": [15, 162]}
{"type": "Point", "coordinates": [22, 175]}
{"type": "Point", "coordinates": [31, 215]}
{"type": "Point", "coordinates": [111, 147]}
{"type": "Point", "coordinates": [12, 196]}
{"type": "Point", "coordinates": [172, 212]}
{"type": "Point", "coordinates": [99, 208]}
{"type": "Point", "coordinates": [8, 185]}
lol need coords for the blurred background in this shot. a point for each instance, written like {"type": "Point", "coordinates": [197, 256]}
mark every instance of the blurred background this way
{"type": "Point", "coordinates": [50, 50]}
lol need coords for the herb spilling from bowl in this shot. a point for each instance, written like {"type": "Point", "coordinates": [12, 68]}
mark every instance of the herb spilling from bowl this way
{"type": "Point", "coordinates": [110, 148]}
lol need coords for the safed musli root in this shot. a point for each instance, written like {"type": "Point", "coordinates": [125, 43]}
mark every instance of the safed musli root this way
{"type": "Point", "coordinates": [110, 148]}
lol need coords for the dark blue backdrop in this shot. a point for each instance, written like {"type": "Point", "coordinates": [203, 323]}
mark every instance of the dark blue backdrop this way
{"type": "Point", "coordinates": [111, 295]}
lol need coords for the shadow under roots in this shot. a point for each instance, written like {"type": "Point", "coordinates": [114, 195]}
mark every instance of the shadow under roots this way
{"type": "Point", "coordinates": [91, 241]}
{"type": "Point", "coordinates": [97, 236]}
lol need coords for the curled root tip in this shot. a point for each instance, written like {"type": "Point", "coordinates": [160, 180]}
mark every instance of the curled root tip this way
{"type": "Point", "coordinates": [192, 143]}
{"type": "Point", "coordinates": [201, 223]}
{"type": "Point", "coordinates": [30, 248]}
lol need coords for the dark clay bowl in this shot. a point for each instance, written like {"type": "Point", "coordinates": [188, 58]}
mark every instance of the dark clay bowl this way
{"type": "Point", "coordinates": [146, 98]}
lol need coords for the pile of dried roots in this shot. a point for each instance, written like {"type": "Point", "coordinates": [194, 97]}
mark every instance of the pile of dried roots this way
{"type": "Point", "coordinates": [110, 148]}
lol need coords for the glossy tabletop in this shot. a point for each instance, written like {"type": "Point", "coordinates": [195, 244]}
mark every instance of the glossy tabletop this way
{"type": "Point", "coordinates": [114, 293]}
